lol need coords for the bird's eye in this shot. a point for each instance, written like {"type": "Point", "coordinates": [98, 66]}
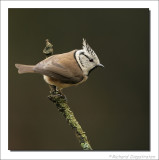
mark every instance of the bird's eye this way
{"type": "Point", "coordinates": [91, 60]}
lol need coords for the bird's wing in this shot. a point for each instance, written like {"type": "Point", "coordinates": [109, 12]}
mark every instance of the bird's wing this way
{"type": "Point", "coordinates": [61, 67]}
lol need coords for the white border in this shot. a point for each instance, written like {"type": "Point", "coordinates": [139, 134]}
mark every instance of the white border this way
{"type": "Point", "coordinates": [152, 5]}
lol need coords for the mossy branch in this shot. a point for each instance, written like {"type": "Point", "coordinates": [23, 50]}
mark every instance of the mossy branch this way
{"type": "Point", "coordinates": [63, 107]}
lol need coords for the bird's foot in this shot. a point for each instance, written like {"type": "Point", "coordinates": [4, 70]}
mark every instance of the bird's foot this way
{"type": "Point", "coordinates": [62, 95]}
{"type": "Point", "coordinates": [53, 89]}
{"type": "Point", "coordinates": [56, 94]}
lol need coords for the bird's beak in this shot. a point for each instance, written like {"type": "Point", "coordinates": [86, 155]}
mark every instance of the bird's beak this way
{"type": "Point", "coordinates": [100, 65]}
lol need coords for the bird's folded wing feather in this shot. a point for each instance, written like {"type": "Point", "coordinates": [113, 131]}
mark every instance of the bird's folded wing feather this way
{"type": "Point", "coordinates": [61, 67]}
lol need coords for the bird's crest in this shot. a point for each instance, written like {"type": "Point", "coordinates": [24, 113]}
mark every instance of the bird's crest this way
{"type": "Point", "coordinates": [87, 48]}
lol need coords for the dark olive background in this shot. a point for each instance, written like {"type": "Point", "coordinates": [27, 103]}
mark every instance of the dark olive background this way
{"type": "Point", "coordinates": [112, 106]}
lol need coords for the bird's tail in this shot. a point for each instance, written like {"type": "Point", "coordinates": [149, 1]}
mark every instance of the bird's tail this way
{"type": "Point", "coordinates": [24, 68]}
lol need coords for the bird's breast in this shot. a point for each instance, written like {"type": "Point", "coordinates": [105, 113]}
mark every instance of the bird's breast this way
{"type": "Point", "coordinates": [57, 83]}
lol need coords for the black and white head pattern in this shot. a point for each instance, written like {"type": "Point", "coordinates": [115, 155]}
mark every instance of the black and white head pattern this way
{"type": "Point", "coordinates": [87, 58]}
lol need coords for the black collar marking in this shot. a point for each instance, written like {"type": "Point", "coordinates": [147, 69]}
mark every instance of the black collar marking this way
{"type": "Point", "coordinates": [76, 59]}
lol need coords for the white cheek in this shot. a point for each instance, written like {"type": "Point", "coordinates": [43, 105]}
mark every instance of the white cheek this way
{"type": "Point", "coordinates": [84, 63]}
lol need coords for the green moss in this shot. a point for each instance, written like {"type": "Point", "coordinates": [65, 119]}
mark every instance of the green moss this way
{"type": "Point", "coordinates": [64, 108]}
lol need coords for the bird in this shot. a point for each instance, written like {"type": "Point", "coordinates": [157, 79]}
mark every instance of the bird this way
{"type": "Point", "coordinates": [66, 69]}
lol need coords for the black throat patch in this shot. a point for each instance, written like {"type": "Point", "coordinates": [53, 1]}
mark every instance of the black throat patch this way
{"type": "Point", "coordinates": [91, 70]}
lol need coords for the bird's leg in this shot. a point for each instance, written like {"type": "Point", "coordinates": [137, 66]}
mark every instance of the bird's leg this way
{"type": "Point", "coordinates": [56, 92]}
{"type": "Point", "coordinates": [53, 89]}
{"type": "Point", "coordinates": [61, 94]}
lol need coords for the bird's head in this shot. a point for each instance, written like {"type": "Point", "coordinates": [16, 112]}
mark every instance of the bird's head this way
{"type": "Point", "coordinates": [87, 58]}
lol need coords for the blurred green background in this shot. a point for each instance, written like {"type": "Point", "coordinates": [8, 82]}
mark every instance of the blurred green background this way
{"type": "Point", "coordinates": [112, 106]}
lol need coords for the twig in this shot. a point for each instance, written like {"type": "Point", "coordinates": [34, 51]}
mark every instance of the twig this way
{"type": "Point", "coordinates": [64, 108]}
{"type": "Point", "coordinates": [48, 50]}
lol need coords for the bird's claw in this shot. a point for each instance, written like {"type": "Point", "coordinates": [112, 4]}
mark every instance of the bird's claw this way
{"type": "Point", "coordinates": [56, 94]}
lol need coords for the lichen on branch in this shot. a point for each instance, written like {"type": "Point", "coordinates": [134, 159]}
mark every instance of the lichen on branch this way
{"type": "Point", "coordinates": [63, 107]}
